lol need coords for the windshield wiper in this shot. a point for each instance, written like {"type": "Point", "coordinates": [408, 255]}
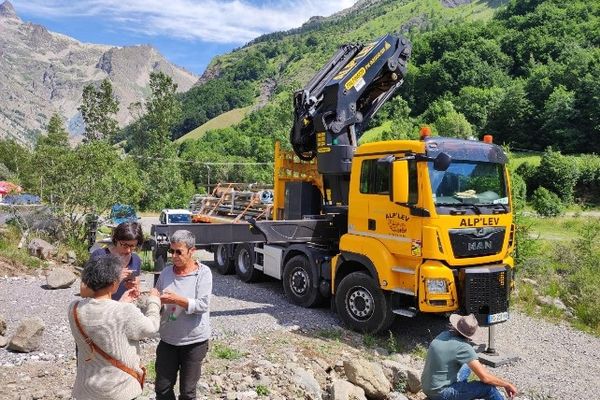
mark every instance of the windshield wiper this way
{"type": "Point", "coordinates": [494, 205]}
{"type": "Point", "coordinates": [458, 205]}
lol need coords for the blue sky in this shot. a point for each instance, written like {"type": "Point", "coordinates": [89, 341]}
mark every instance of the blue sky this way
{"type": "Point", "coordinates": [188, 32]}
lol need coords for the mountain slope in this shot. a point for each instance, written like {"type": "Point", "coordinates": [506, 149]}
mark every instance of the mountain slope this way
{"type": "Point", "coordinates": [285, 61]}
{"type": "Point", "coordinates": [42, 72]}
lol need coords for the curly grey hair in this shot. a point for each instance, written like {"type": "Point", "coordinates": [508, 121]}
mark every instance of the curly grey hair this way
{"type": "Point", "coordinates": [185, 237]}
{"type": "Point", "coordinates": [101, 272]}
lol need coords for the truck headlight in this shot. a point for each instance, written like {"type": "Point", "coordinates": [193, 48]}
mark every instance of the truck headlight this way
{"type": "Point", "coordinates": [437, 285]}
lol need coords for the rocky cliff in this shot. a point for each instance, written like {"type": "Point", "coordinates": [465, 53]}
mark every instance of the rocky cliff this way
{"type": "Point", "coordinates": [43, 72]}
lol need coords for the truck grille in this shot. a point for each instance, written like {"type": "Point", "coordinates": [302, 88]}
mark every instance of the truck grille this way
{"type": "Point", "coordinates": [485, 290]}
{"type": "Point", "coordinates": [474, 242]}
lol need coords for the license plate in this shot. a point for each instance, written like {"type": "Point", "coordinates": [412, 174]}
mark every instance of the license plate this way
{"type": "Point", "coordinates": [499, 317]}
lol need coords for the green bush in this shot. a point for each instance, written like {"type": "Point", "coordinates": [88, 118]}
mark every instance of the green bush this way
{"type": "Point", "coordinates": [558, 174]}
{"type": "Point", "coordinates": [519, 190]}
{"type": "Point", "coordinates": [528, 172]}
{"type": "Point", "coordinates": [546, 203]}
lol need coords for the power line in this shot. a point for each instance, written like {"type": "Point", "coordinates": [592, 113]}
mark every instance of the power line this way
{"type": "Point", "coordinates": [199, 162]}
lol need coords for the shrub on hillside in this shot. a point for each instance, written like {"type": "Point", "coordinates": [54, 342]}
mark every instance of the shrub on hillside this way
{"type": "Point", "coordinates": [519, 190]}
{"type": "Point", "coordinates": [546, 203]}
{"type": "Point", "coordinates": [529, 173]}
{"type": "Point", "coordinates": [558, 174]}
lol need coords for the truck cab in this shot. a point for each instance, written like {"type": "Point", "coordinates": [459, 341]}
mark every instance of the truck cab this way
{"type": "Point", "coordinates": [430, 224]}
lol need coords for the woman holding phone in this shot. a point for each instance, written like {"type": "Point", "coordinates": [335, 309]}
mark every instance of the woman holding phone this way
{"type": "Point", "coordinates": [126, 238]}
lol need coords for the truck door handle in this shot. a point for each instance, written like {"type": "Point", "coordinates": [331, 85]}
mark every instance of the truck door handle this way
{"type": "Point", "coordinates": [372, 224]}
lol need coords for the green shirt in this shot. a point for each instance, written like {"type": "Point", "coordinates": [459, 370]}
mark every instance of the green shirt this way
{"type": "Point", "coordinates": [446, 354]}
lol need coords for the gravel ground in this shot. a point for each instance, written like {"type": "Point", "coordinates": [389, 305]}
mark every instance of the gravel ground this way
{"type": "Point", "coordinates": [557, 361]}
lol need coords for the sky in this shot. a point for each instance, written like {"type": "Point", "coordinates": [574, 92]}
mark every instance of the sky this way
{"type": "Point", "coordinates": [188, 33]}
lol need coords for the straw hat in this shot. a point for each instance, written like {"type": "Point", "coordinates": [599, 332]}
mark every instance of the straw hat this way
{"type": "Point", "coordinates": [465, 325]}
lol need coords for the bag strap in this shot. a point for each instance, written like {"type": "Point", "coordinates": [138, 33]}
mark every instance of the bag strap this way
{"type": "Point", "coordinates": [94, 347]}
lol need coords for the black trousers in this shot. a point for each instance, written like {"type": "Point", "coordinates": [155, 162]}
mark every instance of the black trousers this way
{"type": "Point", "coordinates": [187, 360]}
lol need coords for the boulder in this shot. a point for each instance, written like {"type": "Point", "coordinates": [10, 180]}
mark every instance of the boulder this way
{"type": "Point", "coordinates": [306, 380]}
{"type": "Point", "coordinates": [60, 278]}
{"type": "Point", "coordinates": [41, 249]}
{"type": "Point", "coordinates": [3, 341]}
{"type": "Point", "coordinates": [344, 390]}
{"type": "Point", "coordinates": [28, 336]}
{"type": "Point", "coordinates": [2, 325]}
{"type": "Point", "coordinates": [369, 376]}
{"type": "Point", "coordinates": [413, 380]}
{"type": "Point", "coordinates": [396, 396]}
{"type": "Point", "coordinates": [394, 372]}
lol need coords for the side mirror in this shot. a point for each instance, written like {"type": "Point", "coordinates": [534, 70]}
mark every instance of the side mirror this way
{"type": "Point", "coordinates": [442, 162]}
{"type": "Point", "coordinates": [399, 182]}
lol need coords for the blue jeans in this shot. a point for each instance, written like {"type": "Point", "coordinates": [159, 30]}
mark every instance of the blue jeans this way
{"type": "Point", "coordinates": [463, 390]}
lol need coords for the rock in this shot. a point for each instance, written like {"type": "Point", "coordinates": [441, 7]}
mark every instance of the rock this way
{"type": "Point", "coordinates": [28, 335]}
{"type": "Point", "coordinates": [413, 380]}
{"type": "Point", "coordinates": [368, 376]}
{"type": "Point", "coordinates": [2, 325]}
{"type": "Point", "coordinates": [529, 281]}
{"type": "Point", "coordinates": [71, 257]}
{"type": "Point", "coordinates": [552, 301]}
{"type": "Point", "coordinates": [3, 341]}
{"type": "Point", "coordinates": [394, 372]}
{"type": "Point", "coordinates": [344, 390]}
{"type": "Point", "coordinates": [307, 381]}
{"type": "Point", "coordinates": [41, 249]}
{"type": "Point", "coordinates": [380, 351]}
{"type": "Point", "coordinates": [396, 396]}
{"type": "Point", "coordinates": [60, 278]}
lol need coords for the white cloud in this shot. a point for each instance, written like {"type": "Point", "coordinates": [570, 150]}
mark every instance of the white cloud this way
{"type": "Point", "coordinates": [225, 21]}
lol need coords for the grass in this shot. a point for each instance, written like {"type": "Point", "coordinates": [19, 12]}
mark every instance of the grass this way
{"type": "Point", "coordinates": [419, 351]}
{"type": "Point", "coordinates": [517, 159]}
{"type": "Point", "coordinates": [225, 352]}
{"type": "Point", "coordinates": [559, 228]}
{"type": "Point", "coordinates": [9, 240]}
{"type": "Point", "coordinates": [262, 390]}
{"type": "Point", "coordinates": [332, 334]}
{"type": "Point", "coordinates": [151, 371]}
{"type": "Point", "coordinates": [224, 120]}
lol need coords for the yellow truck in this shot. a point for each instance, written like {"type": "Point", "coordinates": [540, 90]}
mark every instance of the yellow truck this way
{"type": "Point", "coordinates": [382, 229]}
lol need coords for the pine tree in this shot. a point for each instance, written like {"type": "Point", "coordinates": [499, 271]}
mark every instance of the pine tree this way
{"type": "Point", "coordinates": [57, 134]}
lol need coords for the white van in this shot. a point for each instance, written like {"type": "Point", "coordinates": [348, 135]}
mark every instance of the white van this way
{"type": "Point", "coordinates": [175, 216]}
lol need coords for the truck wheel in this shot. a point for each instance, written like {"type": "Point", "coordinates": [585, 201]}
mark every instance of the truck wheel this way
{"type": "Point", "coordinates": [243, 258]}
{"type": "Point", "coordinates": [224, 263]}
{"type": "Point", "coordinates": [362, 305]}
{"type": "Point", "coordinates": [299, 282]}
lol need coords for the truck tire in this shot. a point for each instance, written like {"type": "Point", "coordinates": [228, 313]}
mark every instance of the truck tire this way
{"type": "Point", "coordinates": [224, 264]}
{"type": "Point", "coordinates": [299, 282]}
{"type": "Point", "coordinates": [362, 305]}
{"type": "Point", "coordinates": [243, 258]}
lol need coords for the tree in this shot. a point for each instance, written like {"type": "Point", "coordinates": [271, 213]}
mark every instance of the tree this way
{"type": "Point", "coordinates": [86, 179]}
{"type": "Point", "coordinates": [156, 155]}
{"type": "Point", "coordinates": [99, 108]}
{"type": "Point", "coordinates": [57, 134]}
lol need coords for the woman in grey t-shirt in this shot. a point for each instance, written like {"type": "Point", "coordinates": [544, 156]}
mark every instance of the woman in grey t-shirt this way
{"type": "Point", "coordinates": [185, 288]}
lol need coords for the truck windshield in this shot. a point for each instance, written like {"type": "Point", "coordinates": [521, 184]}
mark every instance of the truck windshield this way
{"type": "Point", "coordinates": [469, 183]}
{"type": "Point", "coordinates": [180, 218]}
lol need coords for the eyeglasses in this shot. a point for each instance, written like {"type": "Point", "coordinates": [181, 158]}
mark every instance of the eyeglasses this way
{"type": "Point", "coordinates": [127, 245]}
{"type": "Point", "coordinates": [175, 251]}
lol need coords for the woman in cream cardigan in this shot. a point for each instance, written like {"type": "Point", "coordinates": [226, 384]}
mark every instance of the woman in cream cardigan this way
{"type": "Point", "coordinates": [115, 328]}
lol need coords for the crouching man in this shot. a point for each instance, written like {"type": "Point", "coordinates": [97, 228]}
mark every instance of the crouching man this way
{"type": "Point", "coordinates": [450, 352]}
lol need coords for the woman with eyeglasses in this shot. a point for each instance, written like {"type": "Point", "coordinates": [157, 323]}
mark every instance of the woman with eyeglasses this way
{"type": "Point", "coordinates": [126, 238]}
{"type": "Point", "coordinates": [185, 288]}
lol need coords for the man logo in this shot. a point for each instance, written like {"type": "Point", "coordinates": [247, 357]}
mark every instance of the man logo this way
{"type": "Point", "coordinates": [477, 246]}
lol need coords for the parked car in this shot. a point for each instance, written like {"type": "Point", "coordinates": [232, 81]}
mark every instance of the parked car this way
{"type": "Point", "coordinates": [175, 216]}
{"type": "Point", "coordinates": [22, 198]}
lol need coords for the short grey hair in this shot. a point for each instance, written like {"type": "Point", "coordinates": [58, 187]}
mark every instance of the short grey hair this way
{"type": "Point", "coordinates": [185, 237]}
{"type": "Point", "coordinates": [101, 272]}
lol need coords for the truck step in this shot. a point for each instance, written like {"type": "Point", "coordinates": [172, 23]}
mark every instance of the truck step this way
{"type": "Point", "coordinates": [406, 312]}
